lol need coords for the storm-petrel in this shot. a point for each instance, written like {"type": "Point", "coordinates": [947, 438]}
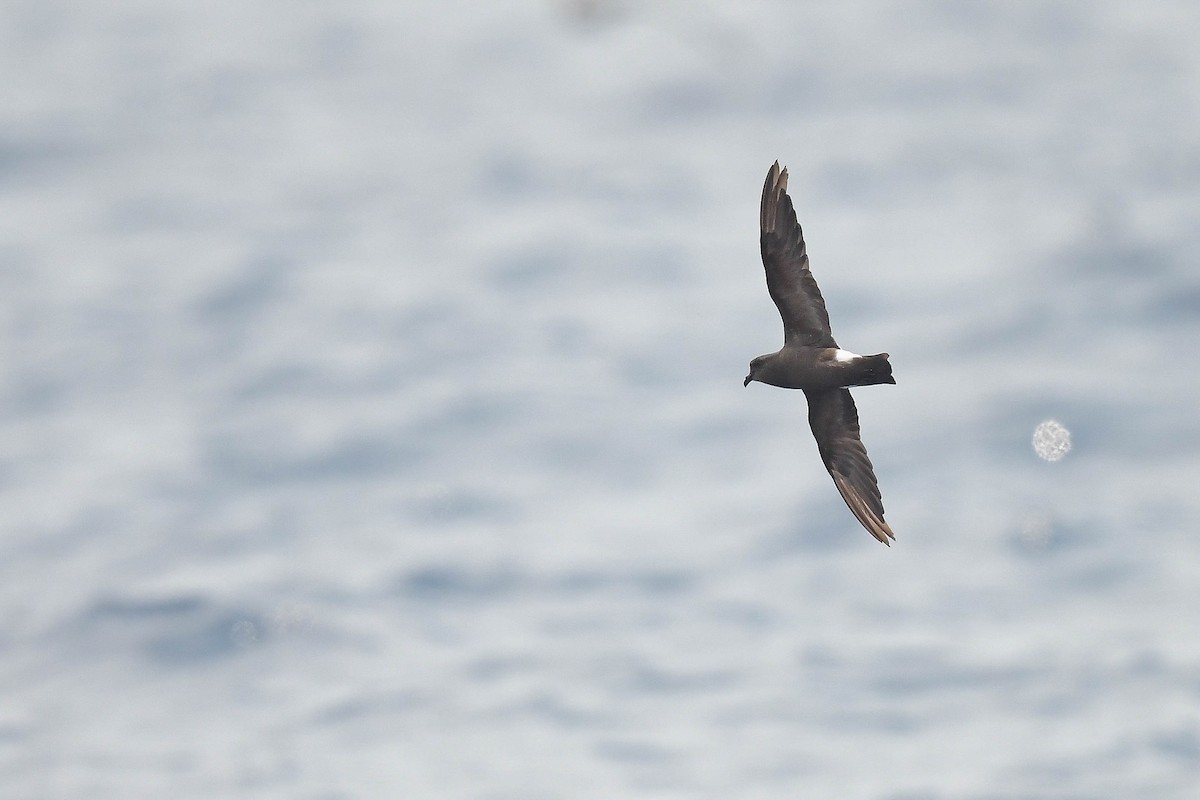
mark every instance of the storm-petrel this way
{"type": "Point", "coordinates": [811, 360]}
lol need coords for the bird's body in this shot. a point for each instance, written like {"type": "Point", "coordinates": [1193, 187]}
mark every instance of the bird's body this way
{"type": "Point", "coordinates": [820, 368]}
{"type": "Point", "coordinates": [811, 360]}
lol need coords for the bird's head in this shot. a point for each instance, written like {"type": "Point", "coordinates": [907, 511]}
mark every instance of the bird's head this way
{"type": "Point", "coordinates": [755, 365]}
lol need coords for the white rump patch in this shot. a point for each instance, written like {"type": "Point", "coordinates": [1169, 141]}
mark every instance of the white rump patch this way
{"type": "Point", "coordinates": [845, 355]}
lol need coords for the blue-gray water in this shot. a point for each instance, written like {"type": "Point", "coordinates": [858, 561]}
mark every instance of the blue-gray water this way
{"type": "Point", "coordinates": [373, 424]}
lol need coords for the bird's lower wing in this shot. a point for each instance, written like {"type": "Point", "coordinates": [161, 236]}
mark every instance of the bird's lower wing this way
{"type": "Point", "coordinates": [834, 422]}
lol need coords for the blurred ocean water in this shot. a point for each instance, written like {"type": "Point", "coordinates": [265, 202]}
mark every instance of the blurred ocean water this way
{"type": "Point", "coordinates": [373, 425]}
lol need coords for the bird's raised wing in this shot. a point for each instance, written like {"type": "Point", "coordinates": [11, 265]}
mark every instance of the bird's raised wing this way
{"type": "Point", "coordinates": [791, 284]}
{"type": "Point", "coordinates": [834, 422]}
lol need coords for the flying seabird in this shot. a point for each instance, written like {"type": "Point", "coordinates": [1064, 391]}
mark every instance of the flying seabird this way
{"type": "Point", "coordinates": [811, 360]}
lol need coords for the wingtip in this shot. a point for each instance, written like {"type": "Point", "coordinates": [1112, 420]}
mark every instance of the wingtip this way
{"type": "Point", "coordinates": [878, 528]}
{"type": "Point", "coordinates": [774, 188]}
{"type": "Point", "coordinates": [777, 176]}
{"type": "Point", "coordinates": [872, 521]}
{"type": "Point", "coordinates": [884, 532]}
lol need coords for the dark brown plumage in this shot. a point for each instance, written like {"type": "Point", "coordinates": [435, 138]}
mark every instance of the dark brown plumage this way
{"type": "Point", "coordinates": [811, 360]}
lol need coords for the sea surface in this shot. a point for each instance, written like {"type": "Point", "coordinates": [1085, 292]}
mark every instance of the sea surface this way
{"type": "Point", "coordinates": [372, 420]}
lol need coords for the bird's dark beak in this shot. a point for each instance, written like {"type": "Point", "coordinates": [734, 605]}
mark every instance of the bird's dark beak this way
{"type": "Point", "coordinates": [747, 381]}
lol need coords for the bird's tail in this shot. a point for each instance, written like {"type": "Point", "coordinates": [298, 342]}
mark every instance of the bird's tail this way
{"type": "Point", "coordinates": [875, 369]}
